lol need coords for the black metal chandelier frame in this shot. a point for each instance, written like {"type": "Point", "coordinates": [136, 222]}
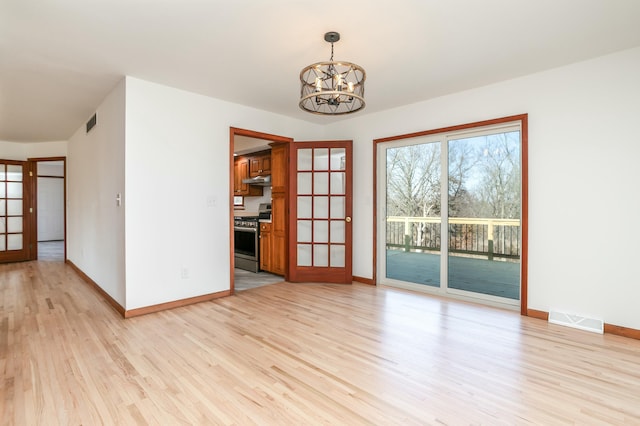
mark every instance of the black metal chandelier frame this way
{"type": "Point", "coordinates": [332, 87]}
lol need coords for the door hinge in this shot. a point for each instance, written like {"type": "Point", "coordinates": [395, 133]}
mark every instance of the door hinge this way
{"type": "Point", "coordinates": [30, 209]}
{"type": "Point", "coordinates": [30, 173]}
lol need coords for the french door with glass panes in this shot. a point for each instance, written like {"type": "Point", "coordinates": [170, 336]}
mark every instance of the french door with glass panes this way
{"type": "Point", "coordinates": [450, 211]}
{"type": "Point", "coordinates": [320, 212]}
{"type": "Point", "coordinates": [14, 208]}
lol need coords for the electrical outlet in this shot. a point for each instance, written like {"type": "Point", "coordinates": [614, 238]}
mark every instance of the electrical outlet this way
{"type": "Point", "coordinates": [184, 273]}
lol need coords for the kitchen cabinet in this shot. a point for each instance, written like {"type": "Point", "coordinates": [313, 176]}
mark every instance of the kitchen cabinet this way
{"type": "Point", "coordinates": [260, 164]}
{"type": "Point", "coordinates": [278, 235]}
{"type": "Point", "coordinates": [279, 172]}
{"type": "Point", "coordinates": [240, 172]}
{"type": "Point", "coordinates": [279, 165]}
{"type": "Point", "coordinates": [266, 247]}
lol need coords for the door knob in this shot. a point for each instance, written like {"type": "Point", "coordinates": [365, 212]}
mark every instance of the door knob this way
{"type": "Point", "coordinates": [347, 219]}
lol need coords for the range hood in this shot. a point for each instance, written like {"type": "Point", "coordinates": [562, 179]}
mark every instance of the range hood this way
{"type": "Point", "coordinates": [258, 181]}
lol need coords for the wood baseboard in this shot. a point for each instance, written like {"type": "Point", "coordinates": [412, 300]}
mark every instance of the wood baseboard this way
{"type": "Point", "coordinates": [147, 309]}
{"type": "Point", "coordinates": [120, 309]}
{"type": "Point", "coordinates": [622, 331]}
{"type": "Point", "coordinates": [363, 280]}
{"type": "Point", "coordinates": [175, 304]}
{"type": "Point", "coordinates": [538, 314]}
{"type": "Point", "coordinates": [608, 328]}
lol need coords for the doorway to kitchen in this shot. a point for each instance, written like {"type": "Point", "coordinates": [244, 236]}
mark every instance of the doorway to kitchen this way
{"type": "Point", "coordinates": [258, 249]}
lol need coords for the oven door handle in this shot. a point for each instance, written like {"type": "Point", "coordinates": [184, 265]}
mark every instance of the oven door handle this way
{"type": "Point", "coordinates": [241, 228]}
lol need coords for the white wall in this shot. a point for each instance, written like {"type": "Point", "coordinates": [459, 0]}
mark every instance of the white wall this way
{"type": "Point", "coordinates": [22, 151]}
{"type": "Point", "coordinates": [177, 184]}
{"type": "Point", "coordinates": [95, 174]}
{"type": "Point", "coordinates": [583, 177]}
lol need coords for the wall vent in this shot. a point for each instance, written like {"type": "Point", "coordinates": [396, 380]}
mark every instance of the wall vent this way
{"type": "Point", "coordinates": [576, 321]}
{"type": "Point", "coordinates": [92, 122]}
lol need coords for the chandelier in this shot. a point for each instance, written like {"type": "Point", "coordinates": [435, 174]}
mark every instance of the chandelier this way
{"type": "Point", "coordinates": [334, 87]}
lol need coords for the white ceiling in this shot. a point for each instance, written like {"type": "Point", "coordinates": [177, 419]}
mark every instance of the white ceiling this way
{"type": "Point", "coordinates": [59, 59]}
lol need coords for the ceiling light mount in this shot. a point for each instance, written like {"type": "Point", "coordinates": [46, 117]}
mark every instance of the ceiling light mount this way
{"type": "Point", "coordinates": [333, 87]}
{"type": "Point", "coordinates": [332, 37]}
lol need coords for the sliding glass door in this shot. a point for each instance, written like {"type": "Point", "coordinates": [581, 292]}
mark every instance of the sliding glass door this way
{"type": "Point", "coordinates": [484, 214]}
{"type": "Point", "coordinates": [450, 210]}
{"type": "Point", "coordinates": [412, 220]}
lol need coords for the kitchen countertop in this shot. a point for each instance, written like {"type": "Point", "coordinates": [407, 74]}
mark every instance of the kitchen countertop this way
{"type": "Point", "coordinates": [244, 213]}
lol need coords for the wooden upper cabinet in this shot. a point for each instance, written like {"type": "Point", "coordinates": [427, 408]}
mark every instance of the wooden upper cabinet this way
{"type": "Point", "coordinates": [240, 172]}
{"type": "Point", "coordinates": [260, 164]}
{"type": "Point", "coordinates": [279, 165]}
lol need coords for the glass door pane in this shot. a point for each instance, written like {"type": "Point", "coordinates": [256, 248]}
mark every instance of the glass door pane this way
{"type": "Point", "coordinates": [321, 207]}
{"type": "Point", "coordinates": [321, 212]}
{"type": "Point", "coordinates": [413, 213]}
{"type": "Point", "coordinates": [484, 214]}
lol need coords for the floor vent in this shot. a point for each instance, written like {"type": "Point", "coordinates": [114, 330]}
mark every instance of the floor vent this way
{"type": "Point", "coordinates": [576, 321]}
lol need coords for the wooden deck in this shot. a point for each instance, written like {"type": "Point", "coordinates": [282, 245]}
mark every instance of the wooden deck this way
{"type": "Point", "coordinates": [298, 354]}
{"type": "Point", "coordinates": [496, 278]}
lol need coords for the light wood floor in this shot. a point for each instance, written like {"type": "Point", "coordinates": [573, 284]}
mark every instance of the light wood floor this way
{"type": "Point", "coordinates": [298, 354]}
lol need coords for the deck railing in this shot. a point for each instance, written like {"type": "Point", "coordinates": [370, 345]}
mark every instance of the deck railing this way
{"type": "Point", "coordinates": [472, 236]}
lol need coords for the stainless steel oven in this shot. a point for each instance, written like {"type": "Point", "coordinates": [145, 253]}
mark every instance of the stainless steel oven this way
{"type": "Point", "coordinates": [246, 230]}
{"type": "Point", "coordinates": [246, 243]}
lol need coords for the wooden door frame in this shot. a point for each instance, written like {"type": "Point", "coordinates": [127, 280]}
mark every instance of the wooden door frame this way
{"type": "Point", "coordinates": [33, 221]}
{"type": "Point", "coordinates": [233, 132]}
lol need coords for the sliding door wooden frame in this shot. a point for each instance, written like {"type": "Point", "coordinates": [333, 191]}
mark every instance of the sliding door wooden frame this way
{"type": "Point", "coordinates": [523, 119]}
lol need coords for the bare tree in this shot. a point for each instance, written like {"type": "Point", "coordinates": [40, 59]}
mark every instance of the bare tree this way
{"type": "Point", "coordinates": [463, 157]}
{"type": "Point", "coordinates": [413, 180]}
{"type": "Point", "coordinates": [499, 189]}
